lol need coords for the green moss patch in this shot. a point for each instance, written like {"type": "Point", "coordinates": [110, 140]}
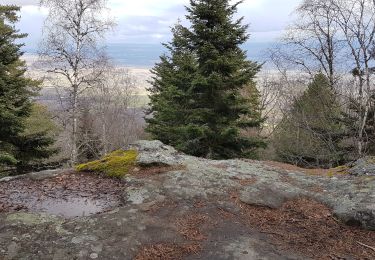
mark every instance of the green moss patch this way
{"type": "Point", "coordinates": [116, 164]}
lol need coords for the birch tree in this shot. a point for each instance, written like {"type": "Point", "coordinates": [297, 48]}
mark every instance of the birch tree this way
{"type": "Point", "coordinates": [312, 41]}
{"type": "Point", "coordinates": [336, 37]}
{"type": "Point", "coordinates": [356, 19]}
{"type": "Point", "coordinates": [71, 50]}
{"type": "Point", "coordinates": [114, 104]}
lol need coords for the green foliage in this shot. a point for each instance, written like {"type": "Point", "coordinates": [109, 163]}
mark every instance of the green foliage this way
{"type": "Point", "coordinates": [116, 164]}
{"type": "Point", "coordinates": [40, 121]}
{"type": "Point", "coordinates": [35, 143]}
{"type": "Point", "coordinates": [8, 159]}
{"type": "Point", "coordinates": [15, 88]}
{"type": "Point", "coordinates": [196, 102]}
{"type": "Point", "coordinates": [24, 128]}
{"type": "Point", "coordinates": [311, 134]}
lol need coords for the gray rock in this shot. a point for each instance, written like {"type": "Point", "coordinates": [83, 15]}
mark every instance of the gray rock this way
{"type": "Point", "coordinates": [153, 153]}
{"type": "Point", "coordinates": [13, 249]}
{"type": "Point", "coordinates": [363, 167]}
{"type": "Point", "coordinates": [37, 176]}
{"type": "Point", "coordinates": [351, 199]}
{"type": "Point", "coordinates": [153, 205]}
{"type": "Point", "coordinates": [272, 196]}
{"type": "Point", "coordinates": [10, 178]}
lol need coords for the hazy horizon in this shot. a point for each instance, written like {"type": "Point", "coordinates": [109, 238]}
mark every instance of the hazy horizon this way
{"type": "Point", "coordinates": [141, 55]}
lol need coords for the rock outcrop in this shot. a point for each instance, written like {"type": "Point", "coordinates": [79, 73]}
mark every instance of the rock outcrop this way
{"type": "Point", "coordinates": [363, 167]}
{"type": "Point", "coordinates": [352, 199]}
{"type": "Point", "coordinates": [156, 202]}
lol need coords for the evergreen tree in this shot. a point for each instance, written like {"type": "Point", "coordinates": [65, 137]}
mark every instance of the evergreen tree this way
{"type": "Point", "coordinates": [352, 122]}
{"type": "Point", "coordinates": [311, 134]}
{"type": "Point", "coordinates": [171, 90]}
{"type": "Point", "coordinates": [196, 101]}
{"type": "Point", "coordinates": [16, 91]}
{"type": "Point", "coordinates": [36, 141]}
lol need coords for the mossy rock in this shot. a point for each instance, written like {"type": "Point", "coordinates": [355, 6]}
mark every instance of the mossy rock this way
{"type": "Point", "coordinates": [116, 164]}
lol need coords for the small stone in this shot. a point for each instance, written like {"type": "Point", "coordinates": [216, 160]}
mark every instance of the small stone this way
{"type": "Point", "coordinates": [83, 253]}
{"type": "Point", "coordinates": [97, 248]}
{"type": "Point", "coordinates": [26, 236]}
{"type": "Point", "coordinates": [141, 227]}
{"type": "Point", "coordinates": [94, 255]}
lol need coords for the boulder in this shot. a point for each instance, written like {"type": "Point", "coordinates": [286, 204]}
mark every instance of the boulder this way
{"type": "Point", "coordinates": [155, 153]}
{"type": "Point", "coordinates": [363, 167]}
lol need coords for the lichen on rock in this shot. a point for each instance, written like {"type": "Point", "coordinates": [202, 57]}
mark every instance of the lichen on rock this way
{"type": "Point", "coordinates": [363, 167]}
{"type": "Point", "coordinates": [245, 205]}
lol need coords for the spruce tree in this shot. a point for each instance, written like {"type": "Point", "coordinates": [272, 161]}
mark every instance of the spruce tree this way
{"type": "Point", "coordinates": [171, 90]}
{"type": "Point", "coordinates": [311, 134]}
{"type": "Point", "coordinates": [196, 101]}
{"type": "Point", "coordinates": [16, 90]}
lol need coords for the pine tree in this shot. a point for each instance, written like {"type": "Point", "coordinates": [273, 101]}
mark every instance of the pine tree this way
{"type": "Point", "coordinates": [16, 90]}
{"type": "Point", "coordinates": [196, 101]}
{"type": "Point", "coordinates": [311, 133]}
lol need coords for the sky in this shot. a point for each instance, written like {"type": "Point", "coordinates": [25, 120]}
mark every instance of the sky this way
{"type": "Point", "coordinates": [149, 21]}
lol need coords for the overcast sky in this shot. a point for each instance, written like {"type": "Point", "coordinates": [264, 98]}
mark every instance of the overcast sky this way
{"type": "Point", "coordinates": [149, 21]}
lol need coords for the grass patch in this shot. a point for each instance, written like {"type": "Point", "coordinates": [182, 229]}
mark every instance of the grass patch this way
{"type": "Point", "coordinates": [116, 164]}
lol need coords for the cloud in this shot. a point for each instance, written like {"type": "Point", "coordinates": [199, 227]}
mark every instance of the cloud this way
{"type": "Point", "coordinates": [20, 2]}
{"type": "Point", "coordinates": [149, 21]}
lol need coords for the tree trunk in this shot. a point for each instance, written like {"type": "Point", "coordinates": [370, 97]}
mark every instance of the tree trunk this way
{"type": "Point", "coordinates": [104, 136]}
{"type": "Point", "coordinates": [74, 152]}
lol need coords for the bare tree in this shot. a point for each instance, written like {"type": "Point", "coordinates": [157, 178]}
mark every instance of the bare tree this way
{"type": "Point", "coordinates": [335, 37]}
{"type": "Point", "coordinates": [71, 49]}
{"type": "Point", "coordinates": [356, 19]}
{"type": "Point", "coordinates": [312, 42]}
{"type": "Point", "coordinates": [115, 104]}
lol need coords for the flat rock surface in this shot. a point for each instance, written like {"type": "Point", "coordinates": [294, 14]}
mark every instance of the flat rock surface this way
{"type": "Point", "coordinates": [175, 206]}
